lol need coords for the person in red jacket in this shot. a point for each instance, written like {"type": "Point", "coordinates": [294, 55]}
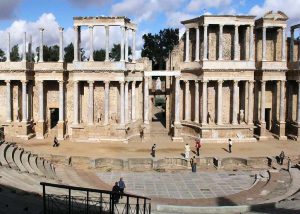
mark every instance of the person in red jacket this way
{"type": "Point", "coordinates": [198, 146]}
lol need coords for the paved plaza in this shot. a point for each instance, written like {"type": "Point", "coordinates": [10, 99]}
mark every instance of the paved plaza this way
{"type": "Point", "coordinates": [182, 185]}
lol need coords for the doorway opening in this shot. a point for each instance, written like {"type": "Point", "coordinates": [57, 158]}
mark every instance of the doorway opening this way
{"type": "Point", "coordinates": [268, 118]}
{"type": "Point", "coordinates": [54, 117]}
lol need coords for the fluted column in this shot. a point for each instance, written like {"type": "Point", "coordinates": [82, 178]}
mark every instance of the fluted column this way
{"type": "Point", "coordinates": [187, 45]}
{"type": "Point", "coordinates": [197, 44]}
{"type": "Point", "coordinates": [220, 102]}
{"type": "Point", "coordinates": [220, 42]}
{"type": "Point", "coordinates": [8, 102]}
{"type": "Point", "coordinates": [251, 44]}
{"type": "Point", "coordinates": [204, 102]}
{"type": "Point", "coordinates": [298, 104]}
{"type": "Point", "coordinates": [282, 97]}
{"type": "Point", "coordinates": [250, 102]}
{"type": "Point", "coordinates": [292, 45]}
{"type": "Point", "coordinates": [24, 101]}
{"type": "Point", "coordinates": [41, 101]}
{"type": "Point", "coordinates": [146, 100]}
{"type": "Point", "coordinates": [122, 59]}
{"type": "Point", "coordinates": [107, 43]}
{"type": "Point", "coordinates": [236, 42]}
{"type": "Point", "coordinates": [264, 44]}
{"type": "Point", "coordinates": [187, 112]}
{"type": "Point", "coordinates": [76, 99]}
{"type": "Point", "coordinates": [24, 48]}
{"type": "Point", "coordinates": [235, 102]}
{"type": "Point", "coordinates": [91, 103]}
{"type": "Point", "coordinates": [106, 103]}
{"type": "Point", "coordinates": [126, 102]}
{"type": "Point", "coordinates": [262, 101]}
{"type": "Point", "coordinates": [76, 44]}
{"type": "Point", "coordinates": [133, 103]}
{"type": "Point", "coordinates": [91, 29]}
{"type": "Point", "coordinates": [126, 45]}
{"type": "Point", "coordinates": [177, 99]}
{"type": "Point", "coordinates": [61, 44]}
{"type": "Point", "coordinates": [41, 51]}
{"type": "Point", "coordinates": [196, 120]}
{"type": "Point", "coordinates": [205, 42]}
{"type": "Point", "coordinates": [283, 47]}
{"type": "Point", "coordinates": [8, 48]}
{"type": "Point", "coordinates": [122, 103]}
{"type": "Point", "coordinates": [133, 45]}
{"type": "Point", "coordinates": [61, 101]}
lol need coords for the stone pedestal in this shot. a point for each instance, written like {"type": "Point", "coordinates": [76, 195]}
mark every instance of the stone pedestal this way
{"type": "Point", "coordinates": [177, 137]}
{"type": "Point", "coordinates": [262, 131]}
{"type": "Point", "coordinates": [40, 130]}
{"type": "Point", "coordinates": [61, 130]}
{"type": "Point", "coordinates": [281, 133]}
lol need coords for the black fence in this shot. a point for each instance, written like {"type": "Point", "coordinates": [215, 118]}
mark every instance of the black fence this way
{"type": "Point", "coordinates": [69, 199]}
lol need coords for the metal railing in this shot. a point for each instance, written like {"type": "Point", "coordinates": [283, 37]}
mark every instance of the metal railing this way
{"type": "Point", "coordinates": [71, 199]}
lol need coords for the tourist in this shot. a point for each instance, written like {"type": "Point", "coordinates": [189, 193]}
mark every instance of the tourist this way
{"type": "Point", "coordinates": [153, 149]}
{"type": "Point", "coordinates": [122, 186]}
{"type": "Point", "coordinates": [193, 163]}
{"type": "Point", "coordinates": [55, 142]}
{"type": "Point", "coordinates": [229, 145]}
{"type": "Point", "coordinates": [116, 193]}
{"type": "Point", "coordinates": [281, 157]}
{"type": "Point", "coordinates": [198, 146]}
{"type": "Point", "coordinates": [187, 151]}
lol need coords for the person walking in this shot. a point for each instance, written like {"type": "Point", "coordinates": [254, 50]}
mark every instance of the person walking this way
{"type": "Point", "coordinates": [122, 186]}
{"type": "Point", "coordinates": [55, 142]}
{"type": "Point", "coordinates": [153, 149]}
{"type": "Point", "coordinates": [187, 149]}
{"type": "Point", "coordinates": [198, 146]}
{"type": "Point", "coordinates": [116, 193]}
{"type": "Point", "coordinates": [281, 157]}
{"type": "Point", "coordinates": [229, 145]}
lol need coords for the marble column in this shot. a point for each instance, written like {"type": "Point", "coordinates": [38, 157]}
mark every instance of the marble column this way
{"type": "Point", "coordinates": [251, 44]}
{"type": "Point", "coordinates": [187, 112]}
{"type": "Point", "coordinates": [187, 45]}
{"type": "Point", "coordinates": [91, 29]}
{"type": "Point", "coordinates": [146, 100]}
{"type": "Point", "coordinates": [133, 45]}
{"type": "Point", "coordinates": [126, 45]}
{"type": "Point", "coordinates": [76, 103]}
{"type": "Point", "coordinates": [220, 103]}
{"type": "Point", "coordinates": [283, 46]}
{"type": "Point", "coordinates": [197, 54]}
{"type": "Point", "coordinates": [262, 101]}
{"type": "Point", "coordinates": [79, 43]}
{"type": "Point", "coordinates": [106, 103]}
{"type": "Point", "coordinates": [8, 48]}
{"type": "Point", "coordinates": [30, 49]}
{"type": "Point", "coordinates": [133, 102]}
{"type": "Point", "coordinates": [24, 101]}
{"type": "Point", "coordinates": [282, 97]}
{"type": "Point", "coordinates": [76, 44]}
{"type": "Point", "coordinates": [122, 59]}
{"type": "Point", "coordinates": [91, 103]}
{"type": "Point", "coordinates": [41, 101]}
{"type": "Point", "coordinates": [107, 43]}
{"type": "Point", "coordinates": [61, 101]}
{"type": "Point", "coordinates": [41, 57]}
{"type": "Point", "coordinates": [205, 42]}
{"type": "Point", "coordinates": [8, 102]}
{"type": "Point", "coordinates": [126, 102]}
{"type": "Point", "coordinates": [24, 48]}
{"type": "Point", "coordinates": [292, 45]}
{"type": "Point", "coordinates": [220, 42]}
{"type": "Point", "coordinates": [196, 119]}
{"type": "Point", "coordinates": [250, 102]}
{"type": "Point", "coordinates": [298, 104]}
{"type": "Point", "coordinates": [264, 44]}
{"type": "Point", "coordinates": [204, 102]}
{"type": "Point", "coordinates": [122, 121]}
{"type": "Point", "coordinates": [177, 99]}
{"type": "Point", "coordinates": [235, 102]}
{"type": "Point", "coordinates": [236, 42]}
{"type": "Point", "coordinates": [61, 44]}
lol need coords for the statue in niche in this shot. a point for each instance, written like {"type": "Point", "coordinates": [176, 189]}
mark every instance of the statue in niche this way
{"type": "Point", "coordinates": [209, 118]}
{"type": "Point", "coordinates": [36, 58]}
{"type": "Point", "coordinates": [158, 84]}
{"type": "Point", "coordinates": [242, 116]}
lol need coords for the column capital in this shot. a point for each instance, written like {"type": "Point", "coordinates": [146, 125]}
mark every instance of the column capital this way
{"type": "Point", "coordinates": [134, 82]}
{"type": "Point", "coordinates": [106, 81]}
{"type": "Point", "coordinates": [186, 81]}
{"type": "Point", "coordinates": [236, 25]}
{"type": "Point", "coordinates": [251, 81]}
{"type": "Point", "coordinates": [91, 26]}
{"type": "Point", "coordinates": [187, 28]}
{"type": "Point", "coordinates": [76, 28]}
{"type": "Point", "coordinates": [205, 25]}
{"type": "Point", "coordinates": [220, 81]}
{"type": "Point", "coordinates": [122, 82]}
{"type": "Point", "coordinates": [61, 29]}
{"type": "Point", "coordinates": [60, 81]}
{"type": "Point", "coordinates": [24, 81]}
{"type": "Point", "coordinates": [205, 81]}
{"type": "Point", "coordinates": [41, 29]}
{"type": "Point", "coordinates": [106, 27]}
{"type": "Point", "coordinates": [197, 81]}
{"type": "Point", "coordinates": [235, 82]}
{"type": "Point", "coordinates": [7, 81]}
{"type": "Point", "coordinates": [91, 82]}
{"type": "Point", "coordinates": [196, 28]}
{"type": "Point", "coordinates": [263, 81]}
{"type": "Point", "coordinates": [298, 81]}
{"type": "Point", "coordinates": [221, 25]}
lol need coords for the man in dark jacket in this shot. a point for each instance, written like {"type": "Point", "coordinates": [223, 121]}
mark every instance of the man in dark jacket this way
{"type": "Point", "coordinates": [116, 193]}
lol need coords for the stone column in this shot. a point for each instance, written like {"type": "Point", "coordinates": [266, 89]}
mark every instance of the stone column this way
{"type": "Point", "coordinates": [41, 57]}
{"type": "Point", "coordinates": [24, 48]}
{"type": "Point", "coordinates": [122, 121]}
{"type": "Point", "coordinates": [61, 44]}
{"type": "Point", "coordinates": [220, 42]}
{"type": "Point", "coordinates": [126, 102]}
{"type": "Point", "coordinates": [264, 44]}
{"type": "Point", "coordinates": [205, 42]}
{"type": "Point", "coordinates": [235, 102]}
{"type": "Point", "coordinates": [61, 101]}
{"type": "Point", "coordinates": [133, 103]}
{"type": "Point", "coordinates": [187, 45]}
{"type": "Point", "coordinates": [126, 45]}
{"type": "Point", "coordinates": [262, 101]}
{"type": "Point", "coordinates": [76, 103]}
{"type": "Point", "coordinates": [133, 45]}
{"type": "Point", "coordinates": [8, 48]}
{"type": "Point", "coordinates": [30, 49]}
{"type": "Point", "coordinates": [122, 43]}
{"type": "Point", "coordinates": [236, 42]}
{"type": "Point", "coordinates": [204, 102]}
{"type": "Point", "coordinates": [292, 46]}
{"type": "Point", "coordinates": [177, 99]}
{"type": "Point", "coordinates": [251, 44]}
{"type": "Point", "coordinates": [283, 46]}
{"type": "Point", "coordinates": [106, 103]}
{"type": "Point", "coordinates": [8, 102]}
{"type": "Point", "coordinates": [196, 120]}
{"type": "Point", "coordinates": [282, 97]}
{"type": "Point", "coordinates": [91, 29]}
{"type": "Point", "coordinates": [298, 104]}
{"type": "Point", "coordinates": [24, 101]}
{"type": "Point", "coordinates": [41, 101]}
{"type": "Point", "coordinates": [91, 103]}
{"type": "Point", "coordinates": [197, 44]}
{"type": "Point", "coordinates": [250, 102]}
{"type": "Point", "coordinates": [146, 100]}
{"type": "Point", "coordinates": [220, 102]}
{"type": "Point", "coordinates": [107, 43]}
{"type": "Point", "coordinates": [79, 43]}
{"type": "Point", "coordinates": [187, 113]}
{"type": "Point", "coordinates": [76, 44]}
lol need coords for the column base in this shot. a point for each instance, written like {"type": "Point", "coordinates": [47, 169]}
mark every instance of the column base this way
{"type": "Point", "coordinates": [177, 130]}
{"type": "Point", "coordinates": [262, 130]}
{"type": "Point", "coordinates": [61, 130]}
{"type": "Point", "coordinates": [40, 130]}
{"type": "Point", "coordinates": [282, 134]}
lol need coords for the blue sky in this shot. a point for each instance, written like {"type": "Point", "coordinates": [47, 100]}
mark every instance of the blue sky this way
{"type": "Point", "coordinates": [17, 16]}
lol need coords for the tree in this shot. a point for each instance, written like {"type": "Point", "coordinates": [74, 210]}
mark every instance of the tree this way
{"type": "Point", "coordinates": [99, 55]}
{"type": "Point", "coordinates": [115, 53]}
{"type": "Point", "coordinates": [69, 53]}
{"type": "Point", "coordinates": [2, 56]}
{"type": "Point", "coordinates": [158, 46]}
{"type": "Point", "coordinates": [14, 54]}
{"type": "Point", "coordinates": [50, 54]}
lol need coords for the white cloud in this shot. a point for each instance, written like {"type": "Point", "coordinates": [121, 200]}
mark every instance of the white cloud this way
{"type": "Point", "coordinates": [7, 8]}
{"type": "Point", "coordinates": [85, 3]}
{"type": "Point", "coordinates": [196, 5]}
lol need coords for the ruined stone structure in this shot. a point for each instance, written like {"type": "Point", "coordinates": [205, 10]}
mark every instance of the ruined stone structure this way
{"type": "Point", "coordinates": [229, 77]}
